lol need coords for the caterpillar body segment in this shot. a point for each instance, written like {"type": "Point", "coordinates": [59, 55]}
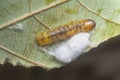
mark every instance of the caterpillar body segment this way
{"type": "Point", "coordinates": [65, 31]}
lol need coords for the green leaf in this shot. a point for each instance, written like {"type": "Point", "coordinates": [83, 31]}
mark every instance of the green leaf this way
{"type": "Point", "coordinates": [20, 37]}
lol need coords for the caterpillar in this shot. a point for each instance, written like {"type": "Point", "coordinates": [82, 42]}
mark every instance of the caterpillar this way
{"type": "Point", "coordinates": [65, 31]}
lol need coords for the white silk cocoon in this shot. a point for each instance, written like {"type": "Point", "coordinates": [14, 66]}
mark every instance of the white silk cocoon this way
{"type": "Point", "coordinates": [70, 49]}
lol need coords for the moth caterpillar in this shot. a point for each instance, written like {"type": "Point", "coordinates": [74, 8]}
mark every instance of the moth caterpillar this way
{"type": "Point", "coordinates": [65, 31]}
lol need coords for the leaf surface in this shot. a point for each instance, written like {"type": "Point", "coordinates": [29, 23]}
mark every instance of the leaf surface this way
{"type": "Point", "coordinates": [20, 37]}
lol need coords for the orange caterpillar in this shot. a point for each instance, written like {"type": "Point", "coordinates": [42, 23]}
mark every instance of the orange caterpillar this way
{"type": "Point", "coordinates": [65, 31]}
